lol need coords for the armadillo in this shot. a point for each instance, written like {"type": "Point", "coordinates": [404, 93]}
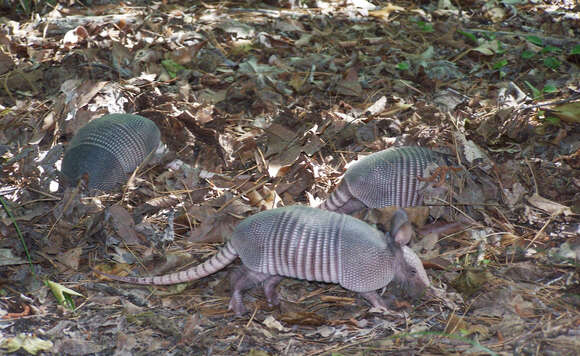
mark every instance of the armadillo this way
{"type": "Point", "coordinates": [387, 178]}
{"type": "Point", "coordinates": [108, 150]}
{"type": "Point", "coordinates": [312, 244]}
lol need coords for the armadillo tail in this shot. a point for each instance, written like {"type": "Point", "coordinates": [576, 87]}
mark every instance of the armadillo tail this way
{"type": "Point", "coordinates": [224, 257]}
{"type": "Point", "coordinates": [337, 199]}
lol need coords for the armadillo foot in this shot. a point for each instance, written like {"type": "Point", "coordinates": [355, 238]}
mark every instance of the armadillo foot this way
{"type": "Point", "coordinates": [380, 305]}
{"type": "Point", "coordinates": [270, 290]}
{"type": "Point", "coordinates": [375, 299]}
{"type": "Point", "coordinates": [396, 304]}
{"type": "Point", "coordinates": [242, 279]}
{"type": "Point", "coordinates": [236, 304]}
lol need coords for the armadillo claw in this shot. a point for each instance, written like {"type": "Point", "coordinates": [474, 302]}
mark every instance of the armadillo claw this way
{"type": "Point", "coordinates": [387, 311]}
{"type": "Point", "coordinates": [375, 299]}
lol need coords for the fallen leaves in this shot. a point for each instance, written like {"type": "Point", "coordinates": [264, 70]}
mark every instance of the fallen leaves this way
{"type": "Point", "coordinates": [29, 343]}
{"type": "Point", "coordinates": [265, 107]}
{"type": "Point", "coordinates": [549, 206]}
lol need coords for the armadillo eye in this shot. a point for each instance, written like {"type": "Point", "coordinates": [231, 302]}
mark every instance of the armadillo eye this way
{"type": "Point", "coordinates": [413, 271]}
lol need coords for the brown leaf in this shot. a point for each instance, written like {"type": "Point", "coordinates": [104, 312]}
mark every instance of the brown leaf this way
{"type": "Point", "coordinates": [71, 258]}
{"type": "Point", "coordinates": [303, 318]}
{"type": "Point", "coordinates": [549, 206]}
{"type": "Point", "coordinates": [122, 224]}
{"type": "Point", "coordinates": [569, 112]}
{"type": "Point", "coordinates": [216, 226]}
{"type": "Point", "coordinates": [470, 281]}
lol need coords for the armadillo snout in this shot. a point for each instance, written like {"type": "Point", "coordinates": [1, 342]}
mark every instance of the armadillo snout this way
{"type": "Point", "coordinates": [415, 290]}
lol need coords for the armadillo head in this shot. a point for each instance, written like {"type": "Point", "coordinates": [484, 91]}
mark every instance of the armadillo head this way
{"type": "Point", "coordinates": [409, 271]}
{"type": "Point", "coordinates": [415, 278]}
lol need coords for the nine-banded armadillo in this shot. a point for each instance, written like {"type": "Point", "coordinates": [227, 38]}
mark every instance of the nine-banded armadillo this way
{"type": "Point", "coordinates": [313, 244]}
{"type": "Point", "coordinates": [108, 150]}
{"type": "Point", "coordinates": [386, 178]}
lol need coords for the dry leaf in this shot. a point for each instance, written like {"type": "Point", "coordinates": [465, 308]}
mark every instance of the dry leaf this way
{"type": "Point", "coordinates": [549, 206]}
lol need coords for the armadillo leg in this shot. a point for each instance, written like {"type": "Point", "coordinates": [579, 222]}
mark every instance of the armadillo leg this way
{"type": "Point", "coordinates": [385, 305]}
{"type": "Point", "coordinates": [241, 280]}
{"type": "Point", "coordinates": [351, 206]}
{"type": "Point", "coordinates": [270, 289]}
{"type": "Point", "coordinates": [375, 299]}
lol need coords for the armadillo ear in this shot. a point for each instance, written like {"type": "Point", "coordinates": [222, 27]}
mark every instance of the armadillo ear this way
{"type": "Point", "coordinates": [403, 235]}
{"type": "Point", "coordinates": [401, 229]}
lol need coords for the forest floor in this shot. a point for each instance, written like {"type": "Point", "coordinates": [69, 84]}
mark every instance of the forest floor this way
{"type": "Point", "coordinates": [262, 105]}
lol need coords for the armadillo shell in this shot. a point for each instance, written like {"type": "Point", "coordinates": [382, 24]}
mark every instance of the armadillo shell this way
{"type": "Point", "coordinates": [108, 150]}
{"type": "Point", "coordinates": [389, 177]}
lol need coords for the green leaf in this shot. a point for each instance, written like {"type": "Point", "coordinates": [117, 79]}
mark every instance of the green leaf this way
{"type": "Point", "coordinates": [535, 40]}
{"type": "Point", "coordinates": [527, 54]}
{"type": "Point", "coordinates": [172, 67]}
{"type": "Point", "coordinates": [63, 294]}
{"type": "Point", "coordinates": [500, 48]}
{"type": "Point", "coordinates": [403, 66]}
{"type": "Point", "coordinates": [464, 332]}
{"type": "Point", "coordinates": [551, 120]}
{"type": "Point", "coordinates": [552, 62]}
{"type": "Point", "coordinates": [535, 92]}
{"type": "Point", "coordinates": [551, 49]}
{"type": "Point", "coordinates": [470, 36]}
{"type": "Point", "coordinates": [549, 89]}
{"type": "Point", "coordinates": [575, 50]}
{"type": "Point", "coordinates": [500, 64]}
{"type": "Point", "coordinates": [424, 26]}
{"type": "Point", "coordinates": [490, 35]}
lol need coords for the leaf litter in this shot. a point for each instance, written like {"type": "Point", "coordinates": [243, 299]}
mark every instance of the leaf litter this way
{"type": "Point", "coordinates": [263, 106]}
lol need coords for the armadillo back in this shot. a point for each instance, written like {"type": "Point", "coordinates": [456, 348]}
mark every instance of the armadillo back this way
{"type": "Point", "coordinates": [109, 149]}
{"type": "Point", "coordinates": [389, 177]}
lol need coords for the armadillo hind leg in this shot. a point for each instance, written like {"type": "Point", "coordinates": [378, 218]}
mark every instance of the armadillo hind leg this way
{"type": "Point", "coordinates": [270, 290]}
{"type": "Point", "coordinates": [351, 206]}
{"type": "Point", "coordinates": [241, 280]}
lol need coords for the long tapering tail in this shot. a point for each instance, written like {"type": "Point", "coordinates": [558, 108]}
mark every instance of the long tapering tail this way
{"type": "Point", "coordinates": [224, 257]}
{"type": "Point", "coordinates": [337, 199]}
{"type": "Point", "coordinates": [342, 201]}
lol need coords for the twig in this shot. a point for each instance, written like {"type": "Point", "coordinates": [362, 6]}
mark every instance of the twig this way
{"type": "Point", "coordinates": [543, 228]}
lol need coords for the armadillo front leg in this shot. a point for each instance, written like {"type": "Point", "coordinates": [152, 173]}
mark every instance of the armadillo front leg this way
{"type": "Point", "coordinates": [375, 299]}
{"type": "Point", "coordinates": [378, 302]}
